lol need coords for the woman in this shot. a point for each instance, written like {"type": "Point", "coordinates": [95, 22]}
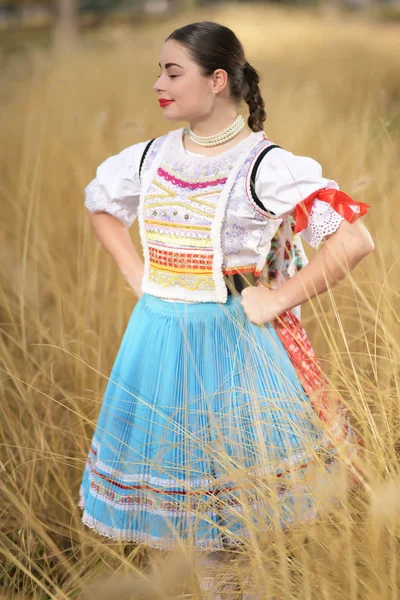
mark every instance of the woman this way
{"type": "Point", "coordinates": [215, 413]}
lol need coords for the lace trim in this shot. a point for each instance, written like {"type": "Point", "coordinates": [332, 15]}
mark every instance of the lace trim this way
{"type": "Point", "coordinates": [202, 544]}
{"type": "Point", "coordinates": [323, 221]}
{"type": "Point", "coordinates": [152, 541]}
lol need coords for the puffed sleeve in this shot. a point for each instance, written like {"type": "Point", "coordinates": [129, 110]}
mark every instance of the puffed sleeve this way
{"type": "Point", "coordinates": [287, 184]}
{"type": "Point", "coordinates": [116, 186]}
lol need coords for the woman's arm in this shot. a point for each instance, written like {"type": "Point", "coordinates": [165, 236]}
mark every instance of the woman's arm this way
{"type": "Point", "coordinates": [342, 251]}
{"type": "Point", "coordinates": [115, 238]}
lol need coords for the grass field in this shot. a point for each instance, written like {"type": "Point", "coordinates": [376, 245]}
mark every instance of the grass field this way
{"type": "Point", "coordinates": [332, 91]}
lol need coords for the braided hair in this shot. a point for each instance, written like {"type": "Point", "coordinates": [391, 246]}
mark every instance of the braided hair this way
{"type": "Point", "coordinates": [213, 46]}
{"type": "Point", "coordinates": [253, 98]}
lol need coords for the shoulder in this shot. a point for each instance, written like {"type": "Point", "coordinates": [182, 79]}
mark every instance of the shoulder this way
{"type": "Point", "coordinates": [132, 153]}
{"type": "Point", "coordinates": [284, 164]}
{"type": "Point", "coordinates": [283, 179]}
{"type": "Point", "coordinates": [124, 163]}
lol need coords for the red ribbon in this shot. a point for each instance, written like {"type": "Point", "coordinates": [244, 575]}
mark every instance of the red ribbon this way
{"type": "Point", "coordinates": [349, 209]}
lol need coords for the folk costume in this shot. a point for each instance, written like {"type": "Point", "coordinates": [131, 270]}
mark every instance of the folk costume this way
{"type": "Point", "coordinates": [209, 421]}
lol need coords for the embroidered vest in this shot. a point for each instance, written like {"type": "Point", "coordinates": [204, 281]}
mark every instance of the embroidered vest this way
{"type": "Point", "coordinates": [200, 221]}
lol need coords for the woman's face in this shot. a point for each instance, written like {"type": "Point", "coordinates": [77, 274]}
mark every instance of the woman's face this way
{"type": "Point", "coordinates": [180, 80]}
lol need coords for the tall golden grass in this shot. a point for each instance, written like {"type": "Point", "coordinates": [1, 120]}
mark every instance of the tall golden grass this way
{"type": "Point", "coordinates": [332, 91]}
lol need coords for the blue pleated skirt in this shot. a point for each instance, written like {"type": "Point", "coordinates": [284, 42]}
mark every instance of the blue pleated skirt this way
{"type": "Point", "coordinates": [205, 434]}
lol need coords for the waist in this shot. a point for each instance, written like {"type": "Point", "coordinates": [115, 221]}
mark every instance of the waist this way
{"type": "Point", "coordinates": [234, 284]}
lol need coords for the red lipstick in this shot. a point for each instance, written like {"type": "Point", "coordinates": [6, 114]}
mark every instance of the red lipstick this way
{"type": "Point", "coordinates": [164, 102]}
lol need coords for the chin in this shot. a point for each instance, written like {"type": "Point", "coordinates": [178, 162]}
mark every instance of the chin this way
{"type": "Point", "coordinates": [173, 117]}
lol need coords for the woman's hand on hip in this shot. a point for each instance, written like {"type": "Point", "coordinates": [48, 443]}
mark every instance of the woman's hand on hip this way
{"type": "Point", "coordinates": [260, 304]}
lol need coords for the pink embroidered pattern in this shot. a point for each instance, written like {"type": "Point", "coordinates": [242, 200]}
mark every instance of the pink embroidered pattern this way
{"type": "Point", "coordinates": [186, 184]}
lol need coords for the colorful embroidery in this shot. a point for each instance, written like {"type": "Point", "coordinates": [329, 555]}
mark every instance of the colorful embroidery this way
{"type": "Point", "coordinates": [188, 282]}
{"type": "Point", "coordinates": [175, 213]}
{"type": "Point", "coordinates": [186, 184]}
{"type": "Point", "coordinates": [154, 205]}
{"type": "Point", "coordinates": [167, 193]}
{"type": "Point", "coordinates": [185, 241]}
{"type": "Point", "coordinates": [189, 226]}
{"type": "Point", "coordinates": [180, 261]}
{"type": "Point", "coordinates": [241, 269]}
{"type": "Point", "coordinates": [178, 225]}
{"type": "Point", "coordinates": [198, 499]}
{"type": "Point", "coordinates": [195, 197]}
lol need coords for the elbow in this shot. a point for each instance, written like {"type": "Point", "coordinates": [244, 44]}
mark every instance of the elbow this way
{"type": "Point", "coordinates": [366, 243]}
{"type": "Point", "coordinates": [354, 240]}
{"type": "Point", "coordinates": [370, 245]}
{"type": "Point", "coordinates": [358, 237]}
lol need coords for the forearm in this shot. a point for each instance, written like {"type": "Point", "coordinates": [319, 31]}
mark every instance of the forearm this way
{"type": "Point", "coordinates": [115, 239]}
{"type": "Point", "coordinates": [341, 253]}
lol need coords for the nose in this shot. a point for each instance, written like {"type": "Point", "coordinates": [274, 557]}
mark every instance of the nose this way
{"type": "Point", "coordinates": [157, 87]}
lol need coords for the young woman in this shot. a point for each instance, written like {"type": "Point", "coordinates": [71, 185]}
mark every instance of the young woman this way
{"type": "Point", "coordinates": [216, 412]}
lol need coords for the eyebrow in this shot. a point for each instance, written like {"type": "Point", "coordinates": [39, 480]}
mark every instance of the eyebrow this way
{"type": "Point", "coordinates": [167, 65]}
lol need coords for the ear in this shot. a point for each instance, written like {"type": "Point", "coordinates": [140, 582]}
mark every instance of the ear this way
{"type": "Point", "coordinates": [220, 80]}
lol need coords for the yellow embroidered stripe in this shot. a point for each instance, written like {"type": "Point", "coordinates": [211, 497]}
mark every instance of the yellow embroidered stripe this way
{"type": "Point", "coordinates": [178, 225]}
{"type": "Point", "coordinates": [165, 280]}
{"type": "Point", "coordinates": [189, 270]}
{"type": "Point", "coordinates": [195, 198]}
{"type": "Point", "coordinates": [167, 194]}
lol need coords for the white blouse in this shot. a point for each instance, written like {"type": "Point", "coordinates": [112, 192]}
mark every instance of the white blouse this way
{"type": "Point", "coordinates": [283, 179]}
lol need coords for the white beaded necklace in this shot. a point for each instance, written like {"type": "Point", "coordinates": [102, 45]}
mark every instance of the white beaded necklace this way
{"type": "Point", "coordinates": [219, 138]}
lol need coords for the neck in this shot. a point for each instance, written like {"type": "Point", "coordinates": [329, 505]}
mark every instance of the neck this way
{"type": "Point", "coordinates": [206, 126]}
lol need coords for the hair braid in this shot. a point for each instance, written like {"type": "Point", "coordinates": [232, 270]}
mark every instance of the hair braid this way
{"type": "Point", "coordinates": [254, 99]}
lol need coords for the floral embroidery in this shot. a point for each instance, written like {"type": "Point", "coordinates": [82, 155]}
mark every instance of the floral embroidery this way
{"type": "Point", "coordinates": [233, 238]}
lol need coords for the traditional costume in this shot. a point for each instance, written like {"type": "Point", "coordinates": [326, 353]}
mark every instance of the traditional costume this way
{"type": "Point", "coordinates": [209, 422]}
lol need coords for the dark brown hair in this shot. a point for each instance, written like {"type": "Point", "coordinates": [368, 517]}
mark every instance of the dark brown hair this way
{"type": "Point", "coordinates": [213, 46]}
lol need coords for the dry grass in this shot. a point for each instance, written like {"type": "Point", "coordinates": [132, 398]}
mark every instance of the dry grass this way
{"type": "Point", "coordinates": [332, 92]}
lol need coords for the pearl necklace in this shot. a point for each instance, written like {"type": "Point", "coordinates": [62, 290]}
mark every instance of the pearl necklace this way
{"type": "Point", "coordinates": [219, 138]}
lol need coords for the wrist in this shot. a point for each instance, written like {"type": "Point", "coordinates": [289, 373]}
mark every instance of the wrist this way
{"type": "Point", "coordinates": [280, 301]}
{"type": "Point", "coordinates": [134, 279]}
{"type": "Point", "coordinates": [132, 272]}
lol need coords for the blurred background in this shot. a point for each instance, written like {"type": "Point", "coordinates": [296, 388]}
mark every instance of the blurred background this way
{"type": "Point", "coordinates": [76, 87]}
{"type": "Point", "coordinates": [75, 15]}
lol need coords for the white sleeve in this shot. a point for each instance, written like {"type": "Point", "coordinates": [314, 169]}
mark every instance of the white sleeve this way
{"type": "Point", "coordinates": [116, 187]}
{"type": "Point", "coordinates": [284, 179]}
